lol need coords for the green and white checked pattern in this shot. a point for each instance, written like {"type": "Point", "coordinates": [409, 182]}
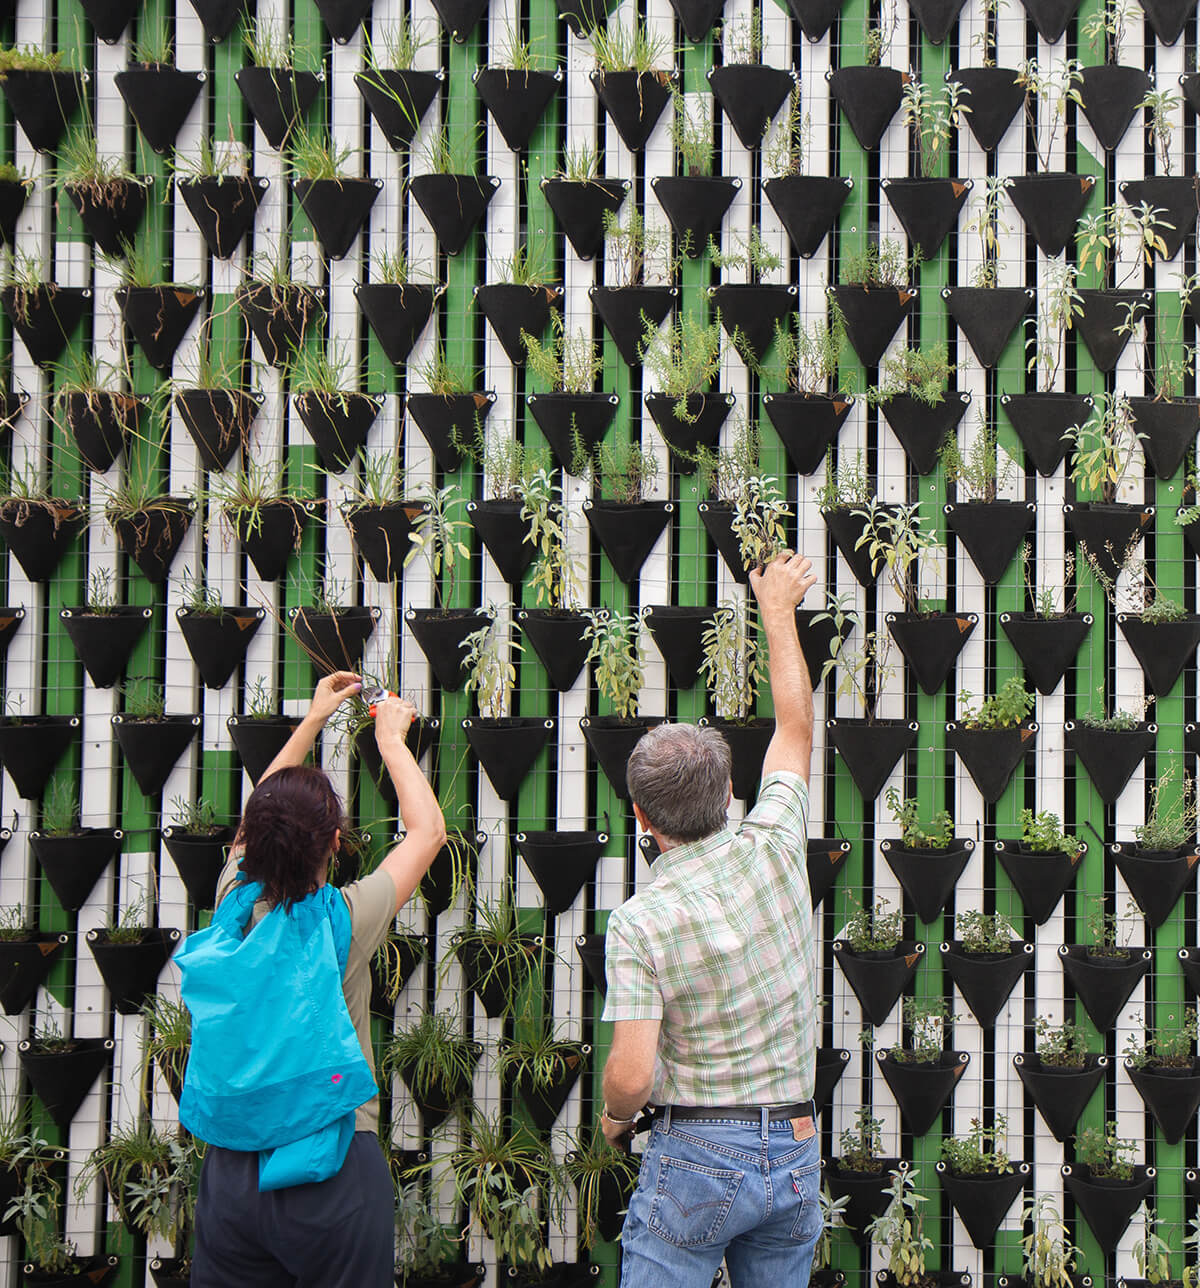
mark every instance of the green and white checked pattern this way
{"type": "Point", "coordinates": [720, 947]}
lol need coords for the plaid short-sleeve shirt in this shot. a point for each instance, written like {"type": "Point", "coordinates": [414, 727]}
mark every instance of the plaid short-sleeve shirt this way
{"type": "Point", "coordinates": [720, 947]}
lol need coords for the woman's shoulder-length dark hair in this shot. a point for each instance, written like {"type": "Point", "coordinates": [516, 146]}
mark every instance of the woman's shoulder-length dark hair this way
{"type": "Point", "coordinates": [287, 832]}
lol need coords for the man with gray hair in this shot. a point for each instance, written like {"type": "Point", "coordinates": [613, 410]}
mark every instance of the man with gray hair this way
{"type": "Point", "coordinates": [712, 990]}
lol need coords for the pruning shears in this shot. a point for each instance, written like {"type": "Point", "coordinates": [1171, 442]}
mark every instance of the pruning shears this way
{"type": "Point", "coordinates": [375, 695]}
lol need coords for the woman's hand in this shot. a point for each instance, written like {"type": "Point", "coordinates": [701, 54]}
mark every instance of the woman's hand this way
{"type": "Point", "coordinates": [332, 691]}
{"type": "Point", "coordinates": [392, 719]}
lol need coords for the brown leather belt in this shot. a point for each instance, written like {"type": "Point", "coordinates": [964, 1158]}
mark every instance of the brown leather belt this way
{"type": "Point", "coordinates": [782, 1114]}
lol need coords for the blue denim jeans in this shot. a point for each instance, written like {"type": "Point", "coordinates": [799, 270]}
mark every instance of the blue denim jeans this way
{"type": "Point", "coordinates": [711, 1188]}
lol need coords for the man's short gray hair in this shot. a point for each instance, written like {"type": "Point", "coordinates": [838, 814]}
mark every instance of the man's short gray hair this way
{"type": "Point", "coordinates": [679, 775]}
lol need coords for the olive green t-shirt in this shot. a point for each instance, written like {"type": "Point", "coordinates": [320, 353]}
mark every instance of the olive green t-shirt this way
{"type": "Point", "coordinates": [372, 904]}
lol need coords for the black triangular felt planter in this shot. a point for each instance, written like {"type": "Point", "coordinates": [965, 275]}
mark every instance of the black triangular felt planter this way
{"type": "Point", "coordinates": [677, 632]}
{"type": "Point", "coordinates": [927, 209]}
{"type": "Point", "coordinates": [1103, 984]}
{"type": "Point", "coordinates": [381, 535]}
{"type": "Point", "coordinates": [436, 1102]}
{"type": "Point", "coordinates": [1109, 755]}
{"type": "Point", "coordinates": [1103, 312]}
{"type": "Point", "coordinates": [98, 421]}
{"type": "Point", "coordinates": [580, 207]}
{"type": "Point", "coordinates": [454, 204]}
{"type": "Point", "coordinates": [1173, 193]}
{"type": "Point", "coordinates": [503, 530]}
{"type": "Point", "coordinates": [73, 864]}
{"type": "Point", "coordinates": [1172, 1096]}
{"type": "Point", "coordinates": [990, 755]}
{"type": "Point", "coordinates": [398, 98]}
{"type": "Point", "coordinates": [987, 316]}
{"type": "Point", "coordinates": [104, 641]}
{"type": "Point", "coordinates": [922, 1090]}
{"type": "Point", "coordinates": [111, 212]}
{"type": "Point", "coordinates": [622, 310]}
{"type": "Point", "coordinates": [869, 97]}
{"type": "Point", "coordinates": [507, 748]}
{"type": "Point", "coordinates": [814, 16]}
{"type": "Point", "coordinates": [1110, 98]}
{"type": "Point", "coordinates": [564, 417]}
{"type": "Point", "coordinates": [936, 17]}
{"type": "Point", "coordinates": [338, 425]}
{"type": "Point", "coordinates": [557, 639]}
{"type": "Point", "coordinates": [13, 195]}
{"type": "Point", "coordinates": [1167, 17]}
{"type": "Point", "coordinates": [1041, 420]}
{"type": "Point", "coordinates": [831, 1064]}
{"type": "Point", "coordinates": [511, 309]}
{"type": "Point", "coordinates": [871, 751]}
{"type": "Point", "coordinates": [10, 622]}
{"type": "Point", "coordinates": [1162, 649]}
{"type": "Point", "coordinates": [218, 421]}
{"type": "Point", "coordinates": [544, 1104]}
{"type": "Point", "coordinates": [1050, 17]}
{"type": "Point", "coordinates": [697, 17]}
{"type": "Point", "coordinates": [39, 534]}
{"type": "Point", "coordinates": [878, 979]}
{"type": "Point", "coordinates": [1108, 1205]}
{"type": "Point", "coordinates": [750, 95]}
{"type": "Point", "coordinates": [45, 316]}
{"type": "Point", "coordinates": [627, 532]}
{"type": "Point", "coordinates": [218, 17]}
{"type": "Point", "coordinates": [224, 209]}
{"type": "Point", "coordinates": [270, 536]}
{"type": "Point", "coordinates": [865, 1190]}
{"type": "Point", "coordinates": [583, 16]}
{"type": "Point", "coordinates": [153, 537]}
{"type": "Point", "coordinates": [334, 641]}
{"type": "Point", "coordinates": [707, 412]}
{"type": "Point", "coordinates": [152, 747]}
{"type": "Point", "coordinates": [591, 950]}
{"type": "Point", "coordinates": [396, 314]}
{"type": "Point", "coordinates": [922, 428]}
{"type": "Point", "coordinates": [1108, 530]}
{"type": "Point", "coordinates": [1190, 84]}
{"type": "Point", "coordinates": [11, 406]}
{"type": "Point", "coordinates": [1156, 880]}
{"type": "Point", "coordinates": [1050, 204]}
{"type": "Point", "coordinates": [131, 971]}
{"type": "Point", "coordinates": [695, 206]}
{"type": "Point", "coordinates": [1169, 430]}
{"type": "Point", "coordinates": [846, 526]}
{"type": "Point", "coordinates": [986, 980]}
{"type": "Point", "coordinates": [440, 636]}
{"type": "Point", "coordinates": [516, 100]}
{"type": "Point", "coordinates": [43, 102]}
{"type": "Point", "coordinates": [717, 518]}
{"type": "Point", "coordinates": [749, 313]}
{"type": "Point", "coordinates": [824, 860]}
{"type": "Point", "coordinates": [982, 1201]}
{"type": "Point", "coordinates": [494, 979]}
{"type": "Point", "coordinates": [931, 643]}
{"type": "Point", "coordinates": [459, 17]}
{"type": "Point", "coordinates": [199, 857]}
{"type": "Point", "coordinates": [562, 863]}
{"type": "Point", "coordinates": [1059, 1093]}
{"type": "Point", "coordinates": [448, 421]}
{"type": "Point", "coordinates": [748, 741]}
{"type": "Point", "coordinates": [927, 877]}
{"type": "Point", "coordinates": [337, 210]}
{"type": "Point", "coordinates": [31, 746]}
{"type": "Point", "coordinates": [1040, 878]}
{"type": "Point", "coordinates": [611, 739]}
{"type": "Point", "coordinates": [160, 99]}
{"type": "Point", "coordinates": [158, 317]}
{"type": "Point", "coordinates": [872, 315]}
{"type": "Point", "coordinates": [807, 425]}
{"type": "Point", "coordinates": [408, 951]}
{"type": "Point", "coordinates": [217, 642]}
{"type": "Point", "coordinates": [807, 205]}
{"type": "Point", "coordinates": [991, 532]}
{"type": "Point", "coordinates": [62, 1079]}
{"type": "Point", "coordinates": [342, 17]}
{"type": "Point", "coordinates": [24, 964]}
{"type": "Point", "coordinates": [634, 101]}
{"type": "Point", "coordinates": [278, 98]}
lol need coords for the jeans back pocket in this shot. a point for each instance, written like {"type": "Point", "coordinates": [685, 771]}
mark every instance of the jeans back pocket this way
{"type": "Point", "coordinates": [691, 1202]}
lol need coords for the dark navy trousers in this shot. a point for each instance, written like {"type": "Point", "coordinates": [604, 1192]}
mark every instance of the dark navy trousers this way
{"type": "Point", "coordinates": [337, 1233]}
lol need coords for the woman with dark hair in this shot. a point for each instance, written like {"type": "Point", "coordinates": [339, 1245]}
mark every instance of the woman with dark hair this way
{"type": "Point", "coordinates": [337, 1232]}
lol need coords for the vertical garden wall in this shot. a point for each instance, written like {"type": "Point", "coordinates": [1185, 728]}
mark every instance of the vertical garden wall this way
{"type": "Point", "coordinates": [271, 406]}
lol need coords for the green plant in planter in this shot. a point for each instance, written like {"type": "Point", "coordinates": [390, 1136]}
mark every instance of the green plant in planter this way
{"type": "Point", "coordinates": [1059, 304]}
{"type": "Point", "coordinates": [1005, 709]}
{"type": "Point", "coordinates": [1105, 929]}
{"type": "Point", "coordinates": [618, 47]}
{"type": "Point", "coordinates": [220, 160]}
{"type": "Point", "coordinates": [31, 58]}
{"type": "Point", "coordinates": [144, 699]}
{"type": "Point", "coordinates": [1049, 87]}
{"type": "Point", "coordinates": [987, 225]}
{"type": "Point", "coordinates": [315, 155]}
{"type": "Point", "coordinates": [622, 470]}
{"type": "Point", "coordinates": [400, 42]}
{"type": "Point", "coordinates": [847, 485]}
{"type": "Point", "coordinates": [983, 932]}
{"type": "Point", "coordinates": [807, 360]}
{"type": "Point", "coordinates": [914, 835]}
{"type": "Point", "coordinates": [683, 358]}
{"type": "Point", "coordinates": [539, 1062]}
{"type": "Point", "coordinates": [1120, 721]}
{"type": "Point", "coordinates": [752, 252]}
{"type": "Point", "coordinates": [880, 28]}
{"type": "Point", "coordinates": [635, 251]}
{"type": "Point", "coordinates": [981, 1152]}
{"type": "Point", "coordinates": [860, 1148]}
{"type": "Point", "coordinates": [503, 954]}
{"type": "Point", "coordinates": [570, 362]}
{"type": "Point", "coordinates": [1048, 1254]}
{"type": "Point", "coordinates": [128, 926]}
{"type": "Point", "coordinates": [1103, 447]}
{"type": "Point", "coordinates": [60, 809]}
{"type": "Point", "coordinates": [1151, 1253]}
{"type": "Point", "coordinates": [926, 1020]}
{"type": "Point", "coordinates": [1100, 237]}
{"type": "Point", "coordinates": [1104, 1153]}
{"type": "Point", "coordinates": [509, 466]}
{"type": "Point", "coordinates": [691, 132]}
{"type": "Point", "coordinates": [556, 575]}
{"type": "Point", "coordinates": [81, 166]}
{"type": "Point", "coordinates": [22, 493]}
{"type": "Point", "coordinates": [35, 1208]}
{"type": "Point", "coordinates": [615, 647]}
{"type": "Point", "coordinates": [194, 816]}
{"type": "Point", "coordinates": [14, 924]}
{"type": "Point", "coordinates": [526, 266]}
{"type": "Point", "coordinates": [876, 929]}
{"type": "Point", "coordinates": [931, 114]}
{"type": "Point", "coordinates": [982, 469]}
{"type": "Point", "coordinates": [436, 538]}
{"type": "Point", "coordinates": [832, 1217]}
{"type": "Point", "coordinates": [1171, 819]}
{"type": "Point", "coordinates": [1063, 1046]}
{"type": "Point", "coordinates": [426, 1246]}
{"type": "Point", "coordinates": [898, 1231]}
{"type": "Point", "coordinates": [731, 662]}
{"type": "Point", "coordinates": [432, 1055]}
{"type": "Point", "coordinates": [444, 377]}
{"type": "Point", "coordinates": [923, 374]}
{"type": "Point", "coordinates": [787, 140]}
{"type": "Point", "coordinates": [487, 660]}
{"type": "Point", "coordinates": [1043, 833]}
{"type": "Point", "coordinates": [1173, 1046]}
{"type": "Point", "coordinates": [169, 1034]}
{"type": "Point", "coordinates": [879, 264]}
{"type": "Point", "coordinates": [270, 44]}
{"type": "Point", "coordinates": [380, 482]}
{"type": "Point", "coordinates": [894, 540]}
{"type": "Point", "coordinates": [390, 967]}
{"type": "Point", "coordinates": [590, 1160]}
{"type": "Point", "coordinates": [864, 672]}
{"type": "Point", "coordinates": [242, 496]}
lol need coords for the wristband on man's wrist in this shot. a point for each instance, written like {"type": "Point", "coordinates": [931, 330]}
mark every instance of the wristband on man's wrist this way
{"type": "Point", "coordinates": [617, 1122]}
